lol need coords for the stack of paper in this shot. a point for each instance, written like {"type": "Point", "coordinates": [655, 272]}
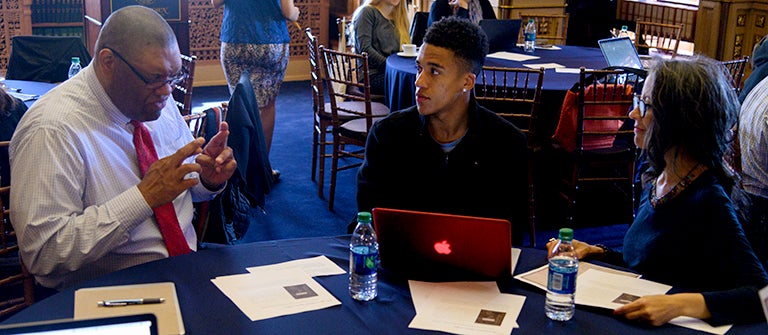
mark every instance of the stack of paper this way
{"type": "Point", "coordinates": [280, 289]}
{"type": "Point", "coordinates": [604, 287]}
{"type": "Point", "coordinates": [464, 307]}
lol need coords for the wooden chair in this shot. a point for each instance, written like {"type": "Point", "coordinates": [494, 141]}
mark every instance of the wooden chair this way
{"type": "Point", "coordinates": [515, 94]}
{"type": "Point", "coordinates": [323, 119]}
{"type": "Point", "coordinates": [346, 43]}
{"type": "Point", "coordinates": [351, 120]}
{"type": "Point", "coordinates": [196, 123]}
{"type": "Point", "coordinates": [17, 288]}
{"type": "Point", "coordinates": [182, 92]}
{"type": "Point", "coordinates": [552, 28]}
{"type": "Point", "coordinates": [665, 38]}
{"type": "Point", "coordinates": [605, 151]}
{"type": "Point", "coordinates": [736, 69]}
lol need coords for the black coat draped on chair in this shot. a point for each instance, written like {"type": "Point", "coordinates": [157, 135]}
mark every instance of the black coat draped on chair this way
{"type": "Point", "coordinates": [231, 212]}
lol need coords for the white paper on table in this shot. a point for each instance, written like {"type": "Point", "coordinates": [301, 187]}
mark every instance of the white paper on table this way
{"type": "Point", "coordinates": [602, 289]}
{"type": "Point", "coordinates": [542, 46]}
{"type": "Point", "coordinates": [274, 293]}
{"type": "Point", "coordinates": [696, 324]}
{"type": "Point", "coordinates": [515, 257]}
{"type": "Point", "coordinates": [569, 70]}
{"type": "Point", "coordinates": [464, 307]}
{"type": "Point", "coordinates": [421, 291]}
{"type": "Point", "coordinates": [764, 295]}
{"type": "Point", "coordinates": [314, 266]}
{"type": "Point", "coordinates": [544, 65]}
{"type": "Point", "coordinates": [538, 276]}
{"type": "Point", "coordinates": [512, 56]}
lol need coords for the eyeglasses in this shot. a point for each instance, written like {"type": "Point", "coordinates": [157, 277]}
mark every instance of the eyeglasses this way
{"type": "Point", "coordinates": [639, 103]}
{"type": "Point", "coordinates": [153, 85]}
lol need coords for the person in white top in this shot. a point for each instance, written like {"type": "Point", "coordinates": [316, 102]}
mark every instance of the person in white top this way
{"type": "Point", "coordinates": [79, 203]}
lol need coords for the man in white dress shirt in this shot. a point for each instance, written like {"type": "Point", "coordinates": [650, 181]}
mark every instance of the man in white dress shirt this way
{"type": "Point", "coordinates": [79, 203]}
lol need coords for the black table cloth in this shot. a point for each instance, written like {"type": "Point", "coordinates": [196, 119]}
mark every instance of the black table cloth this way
{"type": "Point", "coordinates": [206, 310]}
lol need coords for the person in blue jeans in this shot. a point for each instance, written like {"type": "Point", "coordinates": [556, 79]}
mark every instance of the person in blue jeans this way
{"type": "Point", "coordinates": [687, 231]}
{"type": "Point", "coordinates": [254, 38]}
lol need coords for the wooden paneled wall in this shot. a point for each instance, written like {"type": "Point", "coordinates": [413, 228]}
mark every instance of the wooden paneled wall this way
{"type": "Point", "coordinates": [655, 11]}
{"type": "Point", "coordinates": [15, 19]}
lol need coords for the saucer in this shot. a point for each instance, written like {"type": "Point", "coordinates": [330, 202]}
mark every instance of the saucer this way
{"type": "Point", "coordinates": [403, 54]}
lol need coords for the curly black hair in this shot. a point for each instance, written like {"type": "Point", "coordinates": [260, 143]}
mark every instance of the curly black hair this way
{"type": "Point", "coordinates": [467, 41]}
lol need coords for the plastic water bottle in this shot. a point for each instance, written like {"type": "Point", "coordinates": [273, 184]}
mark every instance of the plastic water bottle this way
{"type": "Point", "coordinates": [529, 35]}
{"type": "Point", "coordinates": [561, 283]}
{"type": "Point", "coordinates": [363, 259]}
{"type": "Point", "coordinates": [75, 67]}
{"type": "Point", "coordinates": [623, 32]}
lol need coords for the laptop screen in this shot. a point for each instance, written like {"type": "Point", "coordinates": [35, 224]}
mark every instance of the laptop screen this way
{"type": "Point", "coordinates": [502, 34]}
{"type": "Point", "coordinates": [620, 52]}
{"type": "Point", "coordinates": [142, 324]}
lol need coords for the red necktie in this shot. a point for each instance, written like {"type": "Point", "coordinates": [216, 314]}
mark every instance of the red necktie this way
{"type": "Point", "coordinates": [165, 214]}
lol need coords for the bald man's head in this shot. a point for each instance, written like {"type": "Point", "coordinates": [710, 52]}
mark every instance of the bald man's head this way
{"type": "Point", "coordinates": [134, 28]}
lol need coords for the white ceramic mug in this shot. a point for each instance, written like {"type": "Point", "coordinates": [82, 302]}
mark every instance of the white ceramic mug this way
{"type": "Point", "coordinates": [409, 49]}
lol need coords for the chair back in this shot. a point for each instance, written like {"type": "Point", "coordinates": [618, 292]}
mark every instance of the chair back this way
{"type": "Point", "coordinates": [16, 282]}
{"type": "Point", "coordinates": [512, 93]}
{"type": "Point", "coordinates": [736, 69]}
{"type": "Point", "coordinates": [515, 94]}
{"type": "Point", "coordinates": [196, 123]}
{"type": "Point", "coordinates": [346, 39]}
{"type": "Point", "coordinates": [182, 92]}
{"type": "Point", "coordinates": [350, 70]}
{"type": "Point", "coordinates": [605, 98]}
{"type": "Point", "coordinates": [419, 27]}
{"type": "Point", "coordinates": [315, 72]}
{"type": "Point", "coordinates": [665, 38]}
{"type": "Point", "coordinates": [550, 27]}
{"type": "Point", "coordinates": [44, 58]}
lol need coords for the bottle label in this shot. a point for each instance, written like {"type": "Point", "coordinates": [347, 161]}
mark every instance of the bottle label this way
{"type": "Point", "coordinates": [530, 36]}
{"type": "Point", "coordinates": [363, 263]}
{"type": "Point", "coordinates": [562, 282]}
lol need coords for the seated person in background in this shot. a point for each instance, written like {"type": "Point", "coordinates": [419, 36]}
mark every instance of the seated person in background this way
{"type": "Point", "coordinates": [759, 64]}
{"type": "Point", "coordinates": [474, 10]}
{"type": "Point", "coordinates": [686, 232]}
{"type": "Point", "coordinates": [753, 143]}
{"type": "Point", "coordinates": [447, 154]}
{"type": "Point", "coordinates": [87, 207]}
{"type": "Point", "coordinates": [380, 27]}
{"type": "Point", "coordinates": [11, 111]}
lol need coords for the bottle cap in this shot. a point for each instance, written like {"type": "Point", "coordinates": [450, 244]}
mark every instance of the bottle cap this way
{"type": "Point", "coordinates": [530, 20]}
{"type": "Point", "coordinates": [364, 217]}
{"type": "Point", "coordinates": [565, 234]}
{"type": "Point", "coordinates": [623, 27]}
{"type": "Point", "coordinates": [76, 59]}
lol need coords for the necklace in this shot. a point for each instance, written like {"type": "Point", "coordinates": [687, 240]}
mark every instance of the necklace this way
{"type": "Point", "coordinates": [679, 187]}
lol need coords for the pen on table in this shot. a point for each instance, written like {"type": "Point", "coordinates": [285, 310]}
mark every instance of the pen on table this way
{"type": "Point", "coordinates": [126, 302]}
{"type": "Point", "coordinates": [17, 90]}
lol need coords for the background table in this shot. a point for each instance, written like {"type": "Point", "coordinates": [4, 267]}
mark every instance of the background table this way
{"type": "Point", "coordinates": [29, 87]}
{"type": "Point", "coordinates": [206, 310]}
{"type": "Point", "coordinates": [400, 78]}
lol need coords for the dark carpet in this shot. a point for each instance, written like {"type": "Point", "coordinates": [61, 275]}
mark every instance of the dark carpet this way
{"type": "Point", "coordinates": [293, 208]}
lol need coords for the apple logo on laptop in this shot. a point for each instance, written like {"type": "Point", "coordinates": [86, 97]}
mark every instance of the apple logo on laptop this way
{"type": "Point", "coordinates": [443, 247]}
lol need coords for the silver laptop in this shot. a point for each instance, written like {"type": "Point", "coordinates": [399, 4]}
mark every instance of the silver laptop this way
{"type": "Point", "coordinates": [620, 51]}
{"type": "Point", "coordinates": [140, 324]}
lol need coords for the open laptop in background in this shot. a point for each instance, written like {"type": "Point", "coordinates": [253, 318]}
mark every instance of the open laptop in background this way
{"type": "Point", "coordinates": [621, 51]}
{"type": "Point", "coordinates": [502, 34]}
{"type": "Point", "coordinates": [443, 247]}
{"type": "Point", "coordinates": [140, 324]}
